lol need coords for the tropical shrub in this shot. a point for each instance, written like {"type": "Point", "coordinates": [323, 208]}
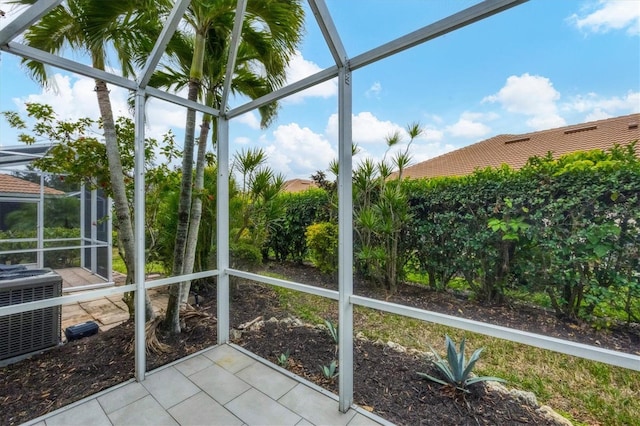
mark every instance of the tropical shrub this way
{"type": "Point", "coordinates": [567, 227]}
{"type": "Point", "coordinates": [322, 241]}
{"type": "Point", "coordinates": [287, 239]}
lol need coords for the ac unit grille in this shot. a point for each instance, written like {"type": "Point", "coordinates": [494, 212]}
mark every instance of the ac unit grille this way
{"type": "Point", "coordinates": [34, 330]}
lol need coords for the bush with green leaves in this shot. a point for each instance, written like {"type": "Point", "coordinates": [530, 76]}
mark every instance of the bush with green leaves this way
{"type": "Point", "coordinates": [567, 227]}
{"type": "Point", "coordinates": [456, 370]}
{"type": "Point", "coordinates": [63, 258]}
{"type": "Point", "coordinates": [322, 241]}
{"type": "Point", "coordinates": [301, 209]}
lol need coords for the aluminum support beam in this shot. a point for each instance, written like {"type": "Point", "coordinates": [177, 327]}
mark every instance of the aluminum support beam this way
{"type": "Point", "coordinates": [83, 211]}
{"type": "Point", "coordinates": [40, 226]}
{"type": "Point", "coordinates": [222, 205]}
{"type": "Point", "coordinates": [233, 52]}
{"type": "Point", "coordinates": [94, 231]}
{"type": "Point", "coordinates": [345, 241]}
{"type": "Point", "coordinates": [67, 65]}
{"type": "Point", "coordinates": [329, 31]}
{"type": "Point", "coordinates": [109, 239]}
{"type": "Point", "coordinates": [163, 39]}
{"type": "Point", "coordinates": [180, 278]}
{"type": "Point", "coordinates": [305, 288]}
{"type": "Point", "coordinates": [458, 20]}
{"type": "Point", "coordinates": [298, 86]}
{"type": "Point", "coordinates": [594, 353]}
{"type": "Point", "coordinates": [139, 220]}
{"type": "Point", "coordinates": [175, 99]}
{"type": "Point", "coordinates": [64, 300]}
{"type": "Point", "coordinates": [26, 19]}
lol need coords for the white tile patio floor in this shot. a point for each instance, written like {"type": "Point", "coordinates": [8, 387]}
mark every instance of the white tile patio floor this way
{"type": "Point", "coordinates": [223, 385]}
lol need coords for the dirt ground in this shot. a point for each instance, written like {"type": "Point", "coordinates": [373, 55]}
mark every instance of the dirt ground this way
{"type": "Point", "coordinates": [385, 380]}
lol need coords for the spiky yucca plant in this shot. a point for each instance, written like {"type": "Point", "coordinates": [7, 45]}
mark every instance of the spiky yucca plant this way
{"type": "Point", "coordinates": [455, 368]}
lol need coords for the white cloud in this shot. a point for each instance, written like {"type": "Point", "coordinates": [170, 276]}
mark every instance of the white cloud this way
{"type": "Point", "coordinates": [298, 152]}
{"type": "Point", "coordinates": [300, 68]}
{"type": "Point", "coordinates": [424, 151]}
{"type": "Point", "coordinates": [163, 116]}
{"type": "Point", "coordinates": [74, 98]}
{"type": "Point", "coordinates": [374, 90]}
{"type": "Point", "coordinates": [597, 114]}
{"type": "Point", "coordinates": [466, 128]}
{"type": "Point", "coordinates": [366, 128]}
{"type": "Point", "coordinates": [609, 15]}
{"type": "Point", "coordinates": [250, 119]}
{"type": "Point", "coordinates": [369, 133]}
{"type": "Point", "coordinates": [470, 125]}
{"type": "Point", "coordinates": [530, 95]}
{"type": "Point", "coordinates": [242, 140]}
{"type": "Point", "coordinates": [615, 105]}
{"type": "Point", "coordinates": [71, 99]}
{"type": "Point", "coordinates": [431, 134]}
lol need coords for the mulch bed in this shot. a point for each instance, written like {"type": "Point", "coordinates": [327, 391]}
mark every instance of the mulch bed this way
{"type": "Point", "coordinates": [385, 380]}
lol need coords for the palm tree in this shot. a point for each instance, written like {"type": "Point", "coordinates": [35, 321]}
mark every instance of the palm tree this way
{"type": "Point", "coordinates": [98, 29]}
{"type": "Point", "coordinates": [270, 34]}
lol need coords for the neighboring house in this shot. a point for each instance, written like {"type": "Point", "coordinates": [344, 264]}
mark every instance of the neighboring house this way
{"type": "Point", "coordinates": [14, 191]}
{"type": "Point", "coordinates": [298, 185]}
{"type": "Point", "coordinates": [515, 150]}
{"type": "Point", "coordinates": [11, 186]}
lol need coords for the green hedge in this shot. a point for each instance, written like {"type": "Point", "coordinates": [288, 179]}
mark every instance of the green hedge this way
{"type": "Point", "coordinates": [568, 227]}
{"type": "Point", "coordinates": [286, 239]}
{"type": "Point", "coordinates": [566, 230]}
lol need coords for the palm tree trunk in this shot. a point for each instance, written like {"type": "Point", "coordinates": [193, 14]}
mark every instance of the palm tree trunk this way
{"type": "Point", "coordinates": [172, 320]}
{"type": "Point", "coordinates": [121, 203]}
{"type": "Point", "coordinates": [196, 208]}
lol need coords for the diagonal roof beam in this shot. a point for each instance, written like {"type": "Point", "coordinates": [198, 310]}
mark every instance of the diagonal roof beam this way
{"type": "Point", "coordinates": [444, 26]}
{"type": "Point", "coordinates": [329, 31]}
{"type": "Point", "coordinates": [457, 20]}
{"type": "Point", "coordinates": [161, 43]}
{"type": "Point", "coordinates": [66, 64]}
{"type": "Point", "coordinates": [298, 86]}
{"type": "Point", "coordinates": [233, 52]}
{"type": "Point", "coordinates": [178, 100]}
{"type": "Point", "coordinates": [26, 19]}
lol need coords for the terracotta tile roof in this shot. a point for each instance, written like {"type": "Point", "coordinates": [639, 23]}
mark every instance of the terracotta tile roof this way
{"type": "Point", "coordinates": [11, 185]}
{"type": "Point", "coordinates": [515, 150]}
{"type": "Point", "coordinates": [298, 185]}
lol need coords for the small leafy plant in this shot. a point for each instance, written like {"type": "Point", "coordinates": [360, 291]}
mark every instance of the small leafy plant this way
{"type": "Point", "coordinates": [455, 368]}
{"type": "Point", "coordinates": [333, 332]}
{"type": "Point", "coordinates": [283, 359]}
{"type": "Point", "coordinates": [329, 371]}
{"type": "Point", "coordinates": [332, 329]}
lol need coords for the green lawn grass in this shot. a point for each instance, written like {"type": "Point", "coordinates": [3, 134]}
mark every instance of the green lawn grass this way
{"type": "Point", "coordinates": [119, 266]}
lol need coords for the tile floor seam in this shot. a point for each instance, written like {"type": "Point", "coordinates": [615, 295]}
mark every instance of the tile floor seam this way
{"type": "Point", "coordinates": [234, 398]}
{"type": "Point", "coordinates": [156, 399]}
{"type": "Point", "coordinates": [132, 401]}
{"type": "Point", "coordinates": [267, 396]}
{"type": "Point", "coordinates": [274, 400]}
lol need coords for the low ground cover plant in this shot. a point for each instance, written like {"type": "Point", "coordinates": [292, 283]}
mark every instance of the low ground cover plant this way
{"type": "Point", "coordinates": [455, 369]}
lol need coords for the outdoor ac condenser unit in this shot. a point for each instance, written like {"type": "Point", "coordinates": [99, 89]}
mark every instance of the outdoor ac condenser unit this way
{"type": "Point", "coordinates": [30, 331]}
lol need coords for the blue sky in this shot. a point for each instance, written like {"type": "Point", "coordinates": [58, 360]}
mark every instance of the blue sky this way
{"type": "Point", "coordinates": [540, 65]}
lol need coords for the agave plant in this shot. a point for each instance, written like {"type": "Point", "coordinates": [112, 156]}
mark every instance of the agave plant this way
{"type": "Point", "coordinates": [456, 370]}
{"type": "Point", "coordinates": [329, 371]}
